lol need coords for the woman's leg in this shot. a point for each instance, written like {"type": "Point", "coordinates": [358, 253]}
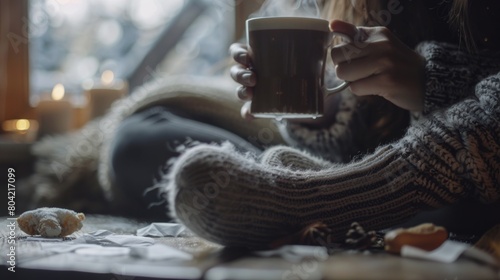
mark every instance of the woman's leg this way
{"type": "Point", "coordinates": [236, 200]}
{"type": "Point", "coordinates": [144, 144]}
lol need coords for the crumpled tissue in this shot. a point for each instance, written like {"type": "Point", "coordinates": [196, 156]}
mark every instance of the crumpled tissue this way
{"type": "Point", "coordinates": [101, 242]}
{"type": "Point", "coordinates": [108, 238]}
{"type": "Point", "coordinates": [164, 230]}
{"type": "Point", "coordinates": [105, 243]}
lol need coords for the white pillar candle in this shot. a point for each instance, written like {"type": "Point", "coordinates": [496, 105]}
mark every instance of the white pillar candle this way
{"type": "Point", "coordinates": [102, 94]}
{"type": "Point", "coordinates": [55, 115]}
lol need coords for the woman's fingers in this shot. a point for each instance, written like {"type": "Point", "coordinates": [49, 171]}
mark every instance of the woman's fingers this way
{"type": "Point", "coordinates": [239, 52]}
{"type": "Point", "coordinates": [360, 68]}
{"type": "Point", "coordinates": [244, 93]}
{"type": "Point", "coordinates": [347, 51]}
{"type": "Point", "coordinates": [345, 28]}
{"type": "Point", "coordinates": [372, 85]}
{"type": "Point", "coordinates": [367, 41]}
{"type": "Point", "coordinates": [245, 111]}
{"type": "Point", "coordinates": [242, 75]}
{"type": "Point", "coordinates": [240, 72]}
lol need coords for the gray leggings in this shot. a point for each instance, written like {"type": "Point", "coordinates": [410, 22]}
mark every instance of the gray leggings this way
{"type": "Point", "coordinates": [146, 141]}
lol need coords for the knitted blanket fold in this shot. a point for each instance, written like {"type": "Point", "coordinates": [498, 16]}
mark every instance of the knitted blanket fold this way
{"type": "Point", "coordinates": [72, 170]}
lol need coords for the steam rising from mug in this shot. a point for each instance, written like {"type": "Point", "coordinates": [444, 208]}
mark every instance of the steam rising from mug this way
{"type": "Point", "coordinates": [297, 8]}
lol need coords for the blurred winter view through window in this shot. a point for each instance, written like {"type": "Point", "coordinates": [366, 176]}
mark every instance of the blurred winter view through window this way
{"type": "Point", "coordinates": [74, 41]}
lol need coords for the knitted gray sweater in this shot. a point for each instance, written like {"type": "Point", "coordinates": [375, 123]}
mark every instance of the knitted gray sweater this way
{"type": "Point", "coordinates": [451, 76]}
{"type": "Point", "coordinates": [451, 154]}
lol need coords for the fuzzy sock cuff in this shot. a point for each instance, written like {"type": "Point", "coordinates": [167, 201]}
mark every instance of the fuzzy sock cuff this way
{"type": "Point", "coordinates": [283, 156]}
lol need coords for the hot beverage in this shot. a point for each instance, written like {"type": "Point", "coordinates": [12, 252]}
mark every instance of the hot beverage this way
{"type": "Point", "coordinates": [289, 57]}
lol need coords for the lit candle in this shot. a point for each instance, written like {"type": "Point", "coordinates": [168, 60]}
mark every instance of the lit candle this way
{"type": "Point", "coordinates": [102, 95]}
{"type": "Point", "coordinates": [55, 115]}
{"type": "Point", "coordinates": [20, 130]}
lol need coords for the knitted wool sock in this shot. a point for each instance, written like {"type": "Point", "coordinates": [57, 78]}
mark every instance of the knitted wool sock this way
{"type": "Point", "coordinates": [232, 199]}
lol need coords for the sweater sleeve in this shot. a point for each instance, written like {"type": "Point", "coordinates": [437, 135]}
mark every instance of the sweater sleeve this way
{"type": "Point", "coordinates": [360, 126]}
{"type": "Point", "coordinates": [457, 150]}
{"type": "Point", "coordinates": [451, 73]}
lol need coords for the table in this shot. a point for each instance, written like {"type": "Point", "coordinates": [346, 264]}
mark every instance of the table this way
{"type": "Point", "coordinates": [212, 261]}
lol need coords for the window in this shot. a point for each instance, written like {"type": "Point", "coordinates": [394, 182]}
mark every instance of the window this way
{"type": "Point", "coordinates": [40, 48]}
{"type": "Point", "coordinates": [73, 42]}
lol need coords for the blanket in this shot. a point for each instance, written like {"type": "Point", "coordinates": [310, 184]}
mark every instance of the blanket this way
{"type": "Point", "coordinates": [73, 170]}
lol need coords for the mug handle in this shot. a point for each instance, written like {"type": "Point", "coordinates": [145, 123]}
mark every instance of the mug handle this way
{"type": "Point", "coordinates": [344, 84]}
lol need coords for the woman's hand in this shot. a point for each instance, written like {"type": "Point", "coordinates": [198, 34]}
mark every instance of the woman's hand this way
{"type": "Point", "coordinates": [377, 63]}
{"type": "Point", "coordinates": [242, 74]}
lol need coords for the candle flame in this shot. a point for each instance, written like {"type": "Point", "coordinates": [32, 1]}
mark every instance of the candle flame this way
{"type": "Point", "coordinates": [19, 125]}
{"type": "Point", "coordinates": [22, 124]}
{"type": "Point", "coordinates": [107, 77]}
{"type": "Point", "coordinates": [58, 92]}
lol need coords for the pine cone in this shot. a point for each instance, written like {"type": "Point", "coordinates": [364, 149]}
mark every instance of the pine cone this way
{"type": "Point", "coordinates": [357, 238]}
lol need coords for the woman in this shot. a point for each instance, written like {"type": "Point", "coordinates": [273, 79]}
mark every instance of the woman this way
{"type": "Point", "coordinates": [450, 155]}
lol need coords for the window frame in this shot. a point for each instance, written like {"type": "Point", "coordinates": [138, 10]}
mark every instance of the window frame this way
{"type": "Point", "coordinates": [14, 72]}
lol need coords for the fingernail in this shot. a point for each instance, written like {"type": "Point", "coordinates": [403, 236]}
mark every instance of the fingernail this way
{"type": "Point", "coordinates": [242, 57]}
{"type": "Point", "coordinates": [246, 76]}
{"type": "Point", "coordinates": [241, 93]}
{"type": "Point", "coordinates": [245, 111]}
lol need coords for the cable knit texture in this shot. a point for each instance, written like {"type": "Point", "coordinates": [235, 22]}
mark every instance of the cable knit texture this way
{"type": "Point", "coordinates": [452, 74]}
{"type": "Point", "coordinates": [238, 200]}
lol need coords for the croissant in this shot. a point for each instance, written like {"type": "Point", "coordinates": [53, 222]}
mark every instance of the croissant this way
{"type": "Point", "coordinates": [50, 222]}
